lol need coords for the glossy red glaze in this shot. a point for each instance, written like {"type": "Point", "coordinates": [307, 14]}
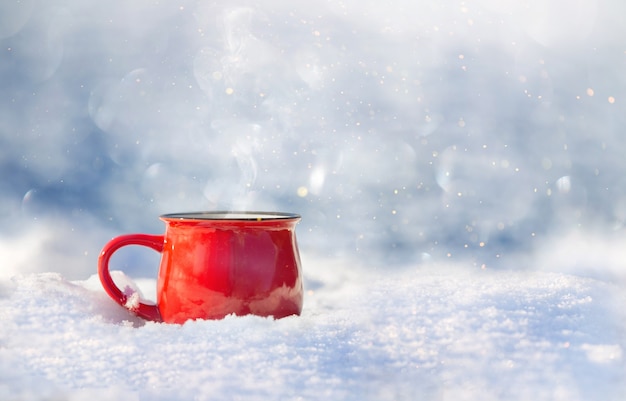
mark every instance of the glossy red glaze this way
{"type": "Point", "coordinates": [218, 263]}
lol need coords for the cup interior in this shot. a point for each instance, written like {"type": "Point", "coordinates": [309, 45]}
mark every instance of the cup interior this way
{"type": "Point", "coordinates": [231, 215]}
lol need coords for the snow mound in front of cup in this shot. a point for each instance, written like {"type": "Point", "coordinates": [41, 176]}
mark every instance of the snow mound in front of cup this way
{"type": "Point", "coordinates": [131, 289]}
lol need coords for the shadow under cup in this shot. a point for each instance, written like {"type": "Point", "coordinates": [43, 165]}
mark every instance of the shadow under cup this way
{"type": "Point", "coordinates": [217, 263]}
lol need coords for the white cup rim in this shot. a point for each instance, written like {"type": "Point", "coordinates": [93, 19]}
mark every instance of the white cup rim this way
{"type": "Point", "coordinates": [224, 215]}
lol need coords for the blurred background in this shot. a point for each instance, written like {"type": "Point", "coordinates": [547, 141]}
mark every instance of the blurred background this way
{"type": "Point", "coordinates": [405, 133]}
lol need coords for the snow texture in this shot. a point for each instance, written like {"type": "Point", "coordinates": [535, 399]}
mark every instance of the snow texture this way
{"type": "Point", "coordinates": [459, 167]}
{"type": "Point", "coordinates": [441, 334]}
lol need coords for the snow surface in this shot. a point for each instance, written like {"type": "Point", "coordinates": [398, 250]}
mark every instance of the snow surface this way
{"type": "Point", "coordinates": [420, 333]}
{"type": "Point", "coordinates": [459, 167]}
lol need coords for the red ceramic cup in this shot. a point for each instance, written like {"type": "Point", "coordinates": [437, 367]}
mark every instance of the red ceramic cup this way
{"type": "Point", "coordinates": [217, 263]}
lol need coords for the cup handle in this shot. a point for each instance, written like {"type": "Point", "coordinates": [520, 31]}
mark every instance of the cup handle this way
{"type": "Point", "coordinates": [146, 311]}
